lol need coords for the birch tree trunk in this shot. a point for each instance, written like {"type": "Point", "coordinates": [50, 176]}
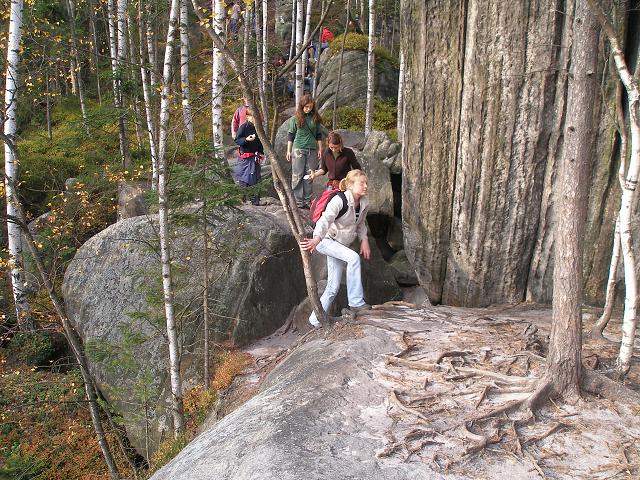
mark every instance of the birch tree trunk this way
{"type": "Point", "coordinates": [265, 61]}
{"type": "Point", "coordinates": [184, 70]}
{"type": "Point", "coordinates": [217, 82]}
{"type": "Point", "coordinates": [564, 360]}
{"type": "Point", "coordinates": [163, 227]}
{"type": "Point", "coordinates": [294, 9]}
{"type": "Point", "coordinates": [148, 105]}
{"type": "Point", "coordinates": [246, 37]}
{"type": "Point", "coordinates": [115, 72]}
{"type": "Point", "coordinates": [370, 68]}
{"type": "Point", "coordinates": [152, 51]}
{"type": "Point", "coordinates": [134, 59]}
{"type": "Point", "coordinates": [307, 32]}
{"type": "Point", "coordinates": [281, 183]}
{"type": "Point", "coordinates": [75, 63]}
{"type": "Point", "coordinates": [400, 110]}
{"type": "Point", "coordinates": [630, 83]}
{"type": "Point", "coordinates": [261, 65]}
{"type": "Point", "coordinates": [335, 97]}
{"type": "Point", "coordinates": [299, 83]}
{"type": "Point", "coordinates": [11, 170]}
{"type": "Point", "coordinates": [94, 37]}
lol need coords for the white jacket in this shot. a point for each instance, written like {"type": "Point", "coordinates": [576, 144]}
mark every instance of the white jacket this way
{"type": "Point", "coordinates": [345, 228]}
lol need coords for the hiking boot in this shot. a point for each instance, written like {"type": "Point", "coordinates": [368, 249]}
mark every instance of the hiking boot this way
{"type": "Point", "coordinates": [361, 308]}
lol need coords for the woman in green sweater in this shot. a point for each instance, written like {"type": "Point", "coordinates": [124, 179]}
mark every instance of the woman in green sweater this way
{"type": "Point", "coordinates": [304, 148]}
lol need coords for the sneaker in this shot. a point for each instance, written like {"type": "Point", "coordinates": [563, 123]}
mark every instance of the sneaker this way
{"type": "Point", "coordinates": [361, 308]}
{"type": "Point", "coordinates": [314, 323]}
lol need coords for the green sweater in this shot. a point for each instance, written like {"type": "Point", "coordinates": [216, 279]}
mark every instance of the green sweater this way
{"type": "Point", "coordinates": [306, 136]}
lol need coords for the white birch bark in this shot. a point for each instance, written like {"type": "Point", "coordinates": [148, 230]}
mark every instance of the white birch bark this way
{"type": "Point", "coordinates": [76, 76]}
{"type": "Point", "coordinates": [299, 83]}
{"type": "Point", "coordinates": [400, 122]}
{"type": "Point", "coordinates": [148, 106]}
{"type": "Point", "coordinates": [94, 48]}
{"type": "Point", "coordinates": [217, 82]}
{"type": "Point", "coordinates": [370, 68]}
{"type": "Point", "coordinates": [163, 226]}
{"type": "Point", "coordinates": [265, 61]}
{"type": "Point", "coordinates": [151, 50]}
{"type": "Point", "coordinates": [11, 169]}
{"type": "Point", "coordinates": [246, 37]}
{"type": "Point", "coordinates": [292, 46]}
{"type": "Point", "coordinates": [184, 70]}
{"type": "Point", "coordinates": [117, 98]}
{"type": "Point", "coordinates": [630, 83]}
{"type": "Point", "coordinates": [307, 32]}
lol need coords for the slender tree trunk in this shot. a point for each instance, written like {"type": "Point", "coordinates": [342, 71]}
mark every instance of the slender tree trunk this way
{"type": "Point", "coordinates": [75, 62]}
{"type": "Point", "coordinates": [163, 227]}
{"type": "Point", "coordinates": [148, 102]}
{"type": "Point", "coordinates": [135, 98]}
{"type": "Point", "coordinates": [205, 294]}
{"type": "Point", "coordinates": [602, 322]}
{"type": "Point", "coordinates": [630, 83]}
{"type": "Point", "coordinates": [299, 83]}
{"type": "Point", "coordinates": [47, 94]}
{"type": "Point", "coordinates": [116, 73]}
{"type": "Point", "coordinates": [307, 32]}
{"type": "Point", "coordinates": [335, 97]}
{"type": "Point", "coordinates": [152, 51]}
{"type": "Point", "coordinates": [564, 360]}
{"type": "Point", "coordinates": [363, 19]}
{"type": "Point", "coordinates": [261, 65]}
{"type": "Point", "coordinates": [265, 61]}
{"type": "Point", "coordinates": [400, 110]}
{"type": "Point", "coordinates": [94, 37]}
{"type": "Point", "coordinates": [281, 183]}
{"type": "Point", "coordinates": [371, 69]}
{"type": "Point", "coordinates": [246, 37]}
{"type": "Point", "coordinates": [184, 70]}
{"type": "Point", "coordinates": [217, 82]}
{"type": "Point", "coordinates": [294, 9]}
{"type": "Point", "coordinates": [17, 217]}
{"type": "Point", "coordinates": [11, 169]}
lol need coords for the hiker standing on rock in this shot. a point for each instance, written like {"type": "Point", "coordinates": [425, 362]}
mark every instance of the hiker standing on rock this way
{"type": "Point", "coordinates": [343, 219]}
{"type": "Point", "coordinates": [304, 148]}
{"type": "Point", "coordinates": [336, 161]}
{"type": "Point", "coordinates": [251, 154]}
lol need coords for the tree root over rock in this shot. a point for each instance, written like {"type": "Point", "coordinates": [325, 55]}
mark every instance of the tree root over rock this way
{"type": "Point", "coordinates": [496, 421]}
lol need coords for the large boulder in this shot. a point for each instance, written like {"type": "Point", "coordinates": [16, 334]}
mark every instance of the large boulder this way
{"type": "Point", "coordinates": [113, 295]}
{"type": "Point", "coordinates": [353, 79]}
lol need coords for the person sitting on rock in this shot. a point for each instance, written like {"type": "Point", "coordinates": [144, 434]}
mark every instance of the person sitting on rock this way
{"type": "Point", "coordinates": [325, 37]}
{"type": "Point", "coordinates": [336, 161]}
{"type": "Point", "coordinates": [332, 236]}
{"type": "Point", "coordinates": [251, 153]}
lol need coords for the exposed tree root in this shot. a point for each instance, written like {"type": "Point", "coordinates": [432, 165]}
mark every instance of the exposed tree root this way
{"type": "Point", "coordinates": [396, 401]}
{"type": "Point", "coordinates": [554, 428]}
{"type": "Point", "coordinates": [453, 353]}
{"type": "Point", "coordinates": [600, 385]}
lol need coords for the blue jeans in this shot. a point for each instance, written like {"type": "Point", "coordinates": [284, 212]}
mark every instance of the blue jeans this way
{"type": "Point", "coordinates": [337, 256]}
{"type": "Point", "coordinates": [303, 160]}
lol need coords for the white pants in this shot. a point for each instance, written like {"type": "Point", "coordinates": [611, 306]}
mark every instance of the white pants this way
{"type": "Point", "coordinates": [337, 256]}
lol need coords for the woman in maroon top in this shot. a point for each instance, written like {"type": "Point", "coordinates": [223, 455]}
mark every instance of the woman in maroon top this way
{"type": "Point", "coordinates": [336, 161]}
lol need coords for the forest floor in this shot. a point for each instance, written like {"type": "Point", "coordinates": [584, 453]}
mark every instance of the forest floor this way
{"type": "Point", "coordinates": [454, 365]}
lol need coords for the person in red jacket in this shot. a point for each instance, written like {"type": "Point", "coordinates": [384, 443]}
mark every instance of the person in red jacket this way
{"type": "Point", "coordinates": [325, 37]}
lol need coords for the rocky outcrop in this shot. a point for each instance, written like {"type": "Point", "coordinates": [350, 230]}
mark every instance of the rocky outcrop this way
{"type": "Point", "coordinates": [113, 297]}
{"type": "Point", "coordinates": [484, 119]}
{"type": "Point", "coordinates": [353, 81]}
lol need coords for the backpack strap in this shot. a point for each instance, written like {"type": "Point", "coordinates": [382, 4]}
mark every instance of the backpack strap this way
{"type": "Point", "coordinates": [345, 204]}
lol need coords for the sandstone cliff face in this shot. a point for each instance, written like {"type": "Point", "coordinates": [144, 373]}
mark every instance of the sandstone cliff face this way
{"type": "Point", "coordinates": [485, 102]}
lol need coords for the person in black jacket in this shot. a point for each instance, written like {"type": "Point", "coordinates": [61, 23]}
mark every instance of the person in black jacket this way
{"type": "Point", "coordinates": [251, 154]}
{"type": "Point", "coordinates": [336, 161]}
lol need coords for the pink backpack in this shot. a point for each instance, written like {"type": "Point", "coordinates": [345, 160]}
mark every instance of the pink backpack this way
{"type": "Point", "coordinates": [318, 205]}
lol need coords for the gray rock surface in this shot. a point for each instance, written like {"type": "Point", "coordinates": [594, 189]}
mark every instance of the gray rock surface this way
{"type": "Point", "coordinates": [402, 270]}
{"type": "Point", "coordinates": [353, 83]}
{"type": "Point", "coordinates": [131, 201]}
{"type": "Point", "coordinates": [255, 279]}
{"type": "Point", "coordinates": [315, 418]}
